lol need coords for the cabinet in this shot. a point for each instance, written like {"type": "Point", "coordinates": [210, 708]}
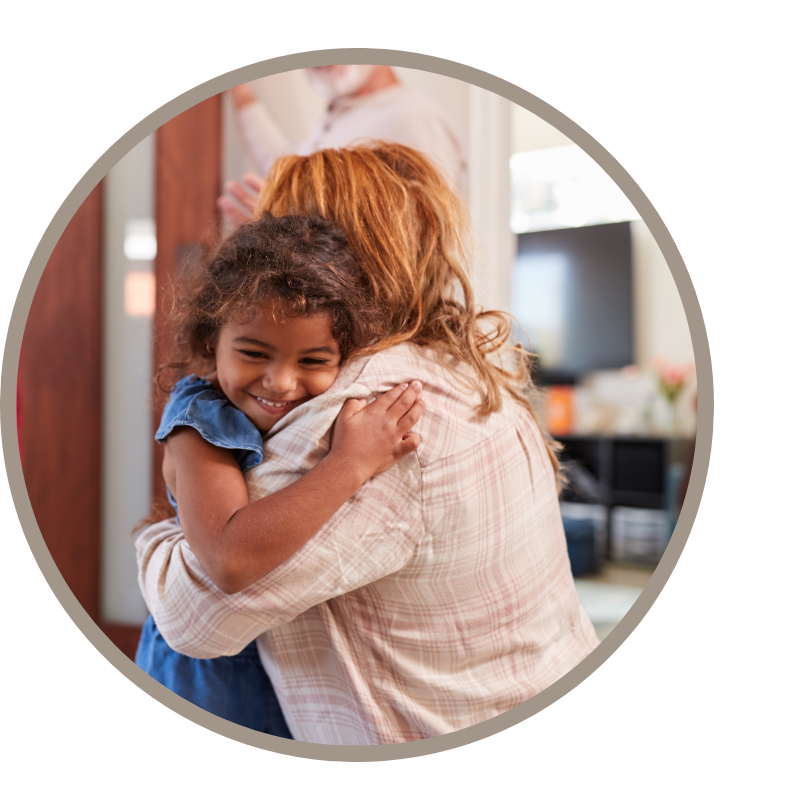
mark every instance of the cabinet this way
{"type": "Point", "coordinates": [637, 472]}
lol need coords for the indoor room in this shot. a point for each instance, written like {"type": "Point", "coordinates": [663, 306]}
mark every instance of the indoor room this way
{"type": "Point", "coordinates": [555, 243]}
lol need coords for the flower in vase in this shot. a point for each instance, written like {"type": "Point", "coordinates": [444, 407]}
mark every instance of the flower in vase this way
{"type": "Point", "coordinates": [672, 378]}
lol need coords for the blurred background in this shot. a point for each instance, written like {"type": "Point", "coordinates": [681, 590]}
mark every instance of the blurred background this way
{"type": "Point", "coordinates": [556, 244]}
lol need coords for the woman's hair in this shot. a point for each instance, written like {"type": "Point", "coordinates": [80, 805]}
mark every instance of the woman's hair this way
{"type": "Point", "coordinates": [408, 230]}
{"type": "Point", "coordinates": [303, 262]}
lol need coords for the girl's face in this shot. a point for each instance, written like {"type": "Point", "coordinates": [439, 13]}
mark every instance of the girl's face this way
{"type": "Point", "coordinates": [269, 366]}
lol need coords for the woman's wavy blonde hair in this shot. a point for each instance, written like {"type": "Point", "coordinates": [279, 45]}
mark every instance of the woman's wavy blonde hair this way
{"type": "Point", "coordinates": [408, 230]}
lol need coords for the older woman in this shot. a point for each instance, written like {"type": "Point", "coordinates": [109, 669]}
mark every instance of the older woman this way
{"type": "Point", "coordinates": [440, 595]}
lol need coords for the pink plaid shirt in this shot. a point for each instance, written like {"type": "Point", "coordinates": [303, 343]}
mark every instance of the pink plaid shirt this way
{"type": "Point", "coordinates": [439, 596]}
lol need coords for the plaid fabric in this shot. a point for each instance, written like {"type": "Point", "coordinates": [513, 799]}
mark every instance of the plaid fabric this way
{"type": "Point", "coordinates": [439, 596]}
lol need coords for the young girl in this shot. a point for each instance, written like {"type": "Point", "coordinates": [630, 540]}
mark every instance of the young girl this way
{"type": "Point", "coordinates": [268, 321]}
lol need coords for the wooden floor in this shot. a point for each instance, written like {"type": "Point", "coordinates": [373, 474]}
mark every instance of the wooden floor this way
{"type": "Point", "coordinates": [615, 574]}
{"type": "Point", "coordinates": [608, 595]}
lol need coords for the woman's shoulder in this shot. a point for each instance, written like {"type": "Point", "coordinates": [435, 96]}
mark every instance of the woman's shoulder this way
{"type": "Point", "coordinates": [437, 370]}
{"type": "Point", "coordinates": [451, 423]}
{"type": "Point", "coordinates": [404, 359]}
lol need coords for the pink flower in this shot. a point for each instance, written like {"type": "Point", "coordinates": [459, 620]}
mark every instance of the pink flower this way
{"type": "Point", "coordinates": [672, 378]}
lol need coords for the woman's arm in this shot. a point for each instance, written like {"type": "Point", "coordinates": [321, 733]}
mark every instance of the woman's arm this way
{"type": "Point", "coordinates": [237, 542]}
{"type": "Point", "coordinates": [261, 134]}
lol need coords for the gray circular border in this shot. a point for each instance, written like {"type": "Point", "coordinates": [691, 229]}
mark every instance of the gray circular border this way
{"type": "Point", "coordinates": [705, 418]}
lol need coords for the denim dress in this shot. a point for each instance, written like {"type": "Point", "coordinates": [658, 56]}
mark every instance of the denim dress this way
{"type": "Point", "coordinates": [234, 687]}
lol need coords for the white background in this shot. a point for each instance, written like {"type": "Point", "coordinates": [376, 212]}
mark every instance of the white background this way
{"type": "Point", "coordinates": [704, 104]}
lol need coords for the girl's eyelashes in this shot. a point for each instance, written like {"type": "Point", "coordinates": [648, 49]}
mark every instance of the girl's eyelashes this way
{"type": "Point", "coordinates": [305, 361]}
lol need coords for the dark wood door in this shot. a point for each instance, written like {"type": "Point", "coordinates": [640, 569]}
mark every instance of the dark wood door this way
{"type": "Point", "coordinates": [59, 403]}
{"type": "Point", "coordinates": [60, 370]}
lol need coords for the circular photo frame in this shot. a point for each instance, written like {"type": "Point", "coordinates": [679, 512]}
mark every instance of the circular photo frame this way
{"type": "Point", "coordinates": [645, 210]}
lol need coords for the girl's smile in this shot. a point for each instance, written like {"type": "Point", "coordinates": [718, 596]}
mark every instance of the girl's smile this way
{"type": "Point", "coordinates": [278, 407]}
{"type": "Point", "coordinates": [276, 361]}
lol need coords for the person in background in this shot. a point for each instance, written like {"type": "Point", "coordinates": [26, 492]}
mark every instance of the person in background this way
{"type": "Point", "coordinates": [364, 102]}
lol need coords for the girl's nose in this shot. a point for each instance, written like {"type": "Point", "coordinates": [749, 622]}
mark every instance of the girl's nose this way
{"type": "Point", "coordinates": [279, 381]}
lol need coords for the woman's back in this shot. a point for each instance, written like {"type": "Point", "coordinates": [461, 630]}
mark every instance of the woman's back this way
{"type": "Point", "coordinates": [482, 613]}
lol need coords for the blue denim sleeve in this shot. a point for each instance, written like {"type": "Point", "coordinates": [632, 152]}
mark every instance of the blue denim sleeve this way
{"type": "Point", "coordinates": [196, 403]}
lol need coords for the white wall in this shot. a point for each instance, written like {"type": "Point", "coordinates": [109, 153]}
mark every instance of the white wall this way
{"type": "Point", "coordinates": [661, 329]}
{"type": "Point", "coordinates": [128, 434]}
{"type": "Point", "coordinates": [529, 132]}
{"type": "Point", "coordinates": [495, 246]}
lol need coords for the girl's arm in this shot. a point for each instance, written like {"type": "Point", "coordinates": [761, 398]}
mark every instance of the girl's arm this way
{"type": "Point", "coordinates": [238, 542]}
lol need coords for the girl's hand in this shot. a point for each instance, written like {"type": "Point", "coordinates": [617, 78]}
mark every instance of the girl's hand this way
{"type": "Point", "coordinates": [372, 438]}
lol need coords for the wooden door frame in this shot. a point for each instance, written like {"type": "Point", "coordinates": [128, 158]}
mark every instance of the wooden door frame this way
{"type": "Point", "coordinates": [188, 180]}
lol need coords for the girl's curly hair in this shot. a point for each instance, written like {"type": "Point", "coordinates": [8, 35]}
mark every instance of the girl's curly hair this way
{"type": "Point", "coordinates": [305, 263]}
